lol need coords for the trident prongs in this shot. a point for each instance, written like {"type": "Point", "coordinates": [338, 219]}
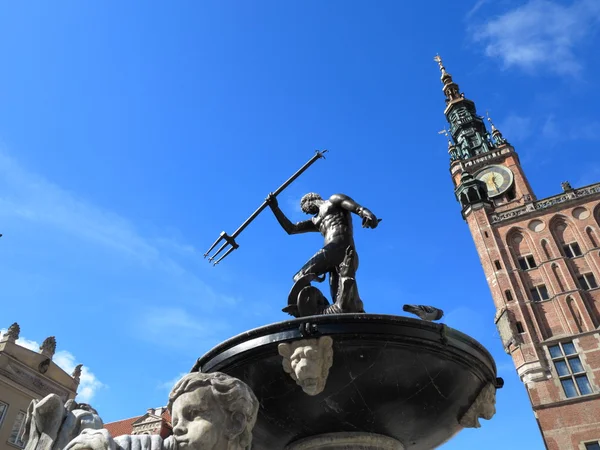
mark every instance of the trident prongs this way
{"type": "Point", "coordinates": [225, 255]}
{"type": "Point", "coordinates": [221, 236]}
{"type": "Point", "coordinates": [230, 240]}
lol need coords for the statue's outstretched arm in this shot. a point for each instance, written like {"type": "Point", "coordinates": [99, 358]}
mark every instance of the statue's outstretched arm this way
{"type": "Point", "coordinates": [369, 219]}
{"type": "Point", "coordinates": [306, 226]}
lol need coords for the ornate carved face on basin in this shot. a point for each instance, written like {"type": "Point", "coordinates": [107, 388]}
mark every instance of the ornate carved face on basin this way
{"type": "Point", "coordinates": [308, 362]}
{"type": "Point", "coordinates": [484, 407]}
{"type": "Point", "coordinates": [212, 411]}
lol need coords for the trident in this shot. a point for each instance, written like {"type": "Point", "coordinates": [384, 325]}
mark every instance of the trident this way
{"type": "Point", "coordinates": [230, 240]}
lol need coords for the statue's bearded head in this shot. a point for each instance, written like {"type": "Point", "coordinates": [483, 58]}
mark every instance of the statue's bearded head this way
{"type": "Point", "coordinates": [310, 203]}
{"type": "Point", "coordinates": [212, 411]}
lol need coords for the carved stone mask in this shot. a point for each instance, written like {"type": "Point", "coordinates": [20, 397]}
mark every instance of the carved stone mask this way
{"type": "Point", "coordinates": [308, 362]}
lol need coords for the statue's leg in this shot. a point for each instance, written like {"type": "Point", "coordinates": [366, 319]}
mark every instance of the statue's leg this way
{"type": "Point", "coordinates": [324, 261]}
{"type": "Point", "coordinates": [334, 283]}
{"type": "Point", "coordinates": [347, 299]}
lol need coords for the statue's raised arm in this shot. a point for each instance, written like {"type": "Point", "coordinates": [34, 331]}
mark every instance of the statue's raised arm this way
{"type": "Point", "coordinates": [306, 226]}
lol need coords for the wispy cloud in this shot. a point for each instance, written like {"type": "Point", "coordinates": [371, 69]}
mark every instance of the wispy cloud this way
{"type": "Point", "coordinates": [578, 129]}
{"type": "Point", "coordinates": [177, 328]}
{"type": "Point", "coordinates": [33, 198]}
{"type": "Point", "coordinates": [30, 197]}
{"type": "Point", "coordinates": [541, 35]}
{"type": "Point", "coordinates": [88, 385]}
{"type": "Point", "coordinates": [168, 385]}
{"type": "Point", "coordinates": [516, 127]}
{"type": "Point", "coordinates": [476, 7]}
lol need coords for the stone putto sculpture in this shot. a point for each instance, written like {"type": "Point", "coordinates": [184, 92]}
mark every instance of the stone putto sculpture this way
{"type": "Point", "coordinates": [210, 411]}
{"type": "Point", "coordinates": [50, 425]}
{"type": "Point", "coordinates": [308, 362]}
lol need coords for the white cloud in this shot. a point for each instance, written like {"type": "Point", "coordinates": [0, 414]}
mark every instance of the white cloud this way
{"type": "Point", "coordinates": [88, 385]}
{"type": "Point", "coordinates": [32, 198]}
{"type": "Point", "coordinates": [550, 129]}
{"type": "Point", "coordinates": [168, 385]}
{"type": "Point", "coordinates": [177, 328]}
{"type": "Point", "coordinates": [540, 35]}
{"type": "Point", "coordinates": [476, 7]}
{"type": "Point", "coordinates": [580, 129]}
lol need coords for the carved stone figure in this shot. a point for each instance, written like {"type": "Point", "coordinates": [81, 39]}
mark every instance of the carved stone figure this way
{"type": "Point", "coordinates": [566, 186]}
{"type": "Point", "coordinates": [77, 372]}
{"type": "Point", "coordinates": [13, 331]}
{"type": "Point", "coordinates": [338, 258]}
{"type": "Point", "coordinates": [50, 425]}
{"type": "Point", "coordinates": [483, 407]}
{"type": "Point", "coordinates": [210, 411]}
{"type": "Point", "coordinates": [48, 347]}
{"type": "Point", "coordinates": [308, 362]}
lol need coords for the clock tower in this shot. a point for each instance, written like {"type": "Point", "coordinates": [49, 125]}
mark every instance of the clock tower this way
{"type": "Point", "coordinates": [541, 259]}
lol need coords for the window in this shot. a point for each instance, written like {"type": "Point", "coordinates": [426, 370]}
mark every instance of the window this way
{"type": "Point", "coordinates": [485, 233]}
{"type": "Point", "coordinates": [520, 328]}
{"type": "Point", "coordinates": [16, 434]}
{"type": "Point", "coordinates": [592, 446]}
{"type": "Point", "coordinates": [497, 264]}
{"type": "Point", "coordinates": [570, 371]}
{"type": "Point", "coordinates": [508, 295]}
{"type": "Point", "coordinates": [527, 262]}
{"type": "Point", "coordinates": [3, 409]}
{"type": "Point", "coordinates": [539, 293]}
{"type": "Point", "coordinates": [510, 194]}
{"type": "Point", "coordinates": [572, 250]}
{"type": "Point", "coordinates": [587, 281]}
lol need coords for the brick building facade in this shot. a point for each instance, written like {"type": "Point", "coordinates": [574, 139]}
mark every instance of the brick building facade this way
{"type": "Point", "coordinates": [156, 421]}
{"type": "Point", "coordinates": [541, 258]}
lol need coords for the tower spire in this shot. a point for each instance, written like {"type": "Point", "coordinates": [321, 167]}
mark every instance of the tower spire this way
{"type": "Point", "coordinates": [451, 147]}
{"type": "Point", "coordinates": [496, 134]}
{"type": "Point", "coordinates": [450, 89]}
{"type": "Point", "coordinates": [466, 127]}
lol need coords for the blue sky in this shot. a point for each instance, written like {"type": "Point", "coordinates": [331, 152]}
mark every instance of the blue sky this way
{"type": "Point", "coordinates": [132, 133]}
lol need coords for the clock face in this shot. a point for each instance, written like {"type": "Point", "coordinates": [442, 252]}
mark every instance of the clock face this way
{"type": "Point", "coordinates": [497, 179]}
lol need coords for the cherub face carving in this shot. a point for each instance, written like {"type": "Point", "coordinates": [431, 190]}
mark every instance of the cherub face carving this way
{"type": "Point", "coordinates": [308, 362]}
{"type": "Point", "coordinates": [212, 411]}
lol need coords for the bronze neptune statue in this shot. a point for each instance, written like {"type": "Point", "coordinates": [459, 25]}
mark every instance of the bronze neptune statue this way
{"type": "Point", "coordinates": [338, 258]}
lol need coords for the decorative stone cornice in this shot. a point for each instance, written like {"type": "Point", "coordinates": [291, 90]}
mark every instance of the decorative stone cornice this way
{"type": "Point", "coordinates": [545, 203]}
{"type": "Point", "coordinates": [531, 372]}
{"type": "Point", "coordinates": [32, 381]}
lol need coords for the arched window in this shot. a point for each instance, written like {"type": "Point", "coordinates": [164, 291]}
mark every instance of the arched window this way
{"type": "Point", "coordinates": [521, 250]}
{"type": "Point", "coordinates": [558, 276]}
{"type": "Point", "coordinates": [591, 234]}
{"type": "Point", "coordinates": [546, 249]}
{"type": "Point", "coordinates": [565, 237]}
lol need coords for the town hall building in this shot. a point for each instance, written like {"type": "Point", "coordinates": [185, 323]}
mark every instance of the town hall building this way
{"type": "Point", "coordinates": [541, 258]}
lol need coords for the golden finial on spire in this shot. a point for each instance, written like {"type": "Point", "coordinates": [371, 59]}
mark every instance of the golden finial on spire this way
{"type": "Point", "coordinates": [438, 59]}
{"type": "Point", "coordinates": [490, 121]}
